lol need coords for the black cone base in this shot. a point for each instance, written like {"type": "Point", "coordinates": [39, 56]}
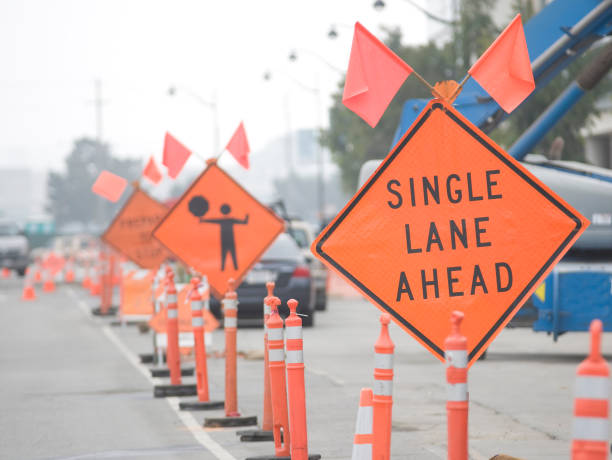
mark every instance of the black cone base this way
{"type": "Point", "coordinates": [201, 405]}
{"type": "Point", "coordinates": [223, 422]}
{"type": "Point", "coordinates": [274, 457]}
{"type": "Point", "coordinates": [146, 358]}
{"type": "Point", "coordinates": [164, 391]}
{"type": "Point", "coordinates": [112, 311]}
{"type": "Point", "coordinates": [255, 435]}
{"type": "Point", "coordinates": [165, 372]}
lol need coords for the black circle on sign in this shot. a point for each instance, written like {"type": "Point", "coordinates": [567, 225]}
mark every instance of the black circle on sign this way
{"type": "Point", "coordinates": [198, 206]}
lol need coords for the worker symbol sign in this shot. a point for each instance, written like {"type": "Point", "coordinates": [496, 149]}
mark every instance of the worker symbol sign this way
{"type": "Point", "coordinates": [449, 221]}
{"type": "Point", "coordinates": [218, 228]}
{"type": "Point", "coordinates": [130, 231]}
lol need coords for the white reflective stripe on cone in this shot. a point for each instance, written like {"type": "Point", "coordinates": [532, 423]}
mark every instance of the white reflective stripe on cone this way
{"type": "Point", "coordinates": [590, 429]}
{"type": "Point", "coordinates": [362, 452]}
{"type": "Point", "coordinates": [275, 333]}
{"type": "Point", "coordinates": [230, 321]}
{"type": "Point", "coordinates": [196, 305]}
{"type": "Point", "coordinates": [266, 309]}
{"type": "Point", "coordinates": [197, 321]}
{"type": "Point", "coordinates": [364, 420]}
{"type": "Point", "coordinates": [383, 387]}
{"type": "Point", "coordinates": [456, 358]}
{"type": "Point", "coordinates": [293, 332]}
{"type": "Point", "coordinates": [276, 354]}
{"type": "Point", "coordinates": [230, 304]}
{"type": "Point", "coordinates": [383, 360]}
{"type": "Point", "coordinates": [457, 392]}
{"type": "Point", "coordinates": [171, 298]}
{"type": "Point", "coordinates": [295, 356]}
{"type": "Point", "coordinates": [592, 387]}
{"type": "Point", "coordinates": [172, 313]}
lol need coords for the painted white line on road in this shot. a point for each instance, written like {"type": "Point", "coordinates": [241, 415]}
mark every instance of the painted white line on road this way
{"type": "Point", "coordinates": [319, 372]}
{"type": "Point", "coordinates": [440, 451]}
{"type": "Point", "coordinates": [186, 417]}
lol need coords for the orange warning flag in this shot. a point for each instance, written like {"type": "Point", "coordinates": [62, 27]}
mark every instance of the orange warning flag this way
{"type": "Point", "coordinates": [130, 231]}
{"type": "Point", "coordinates": [374, 75]}
{"type": "Point", "coordinates": [504, 69]}
{"type": "Point", "coordinates": [175, 155]}
{"type": "Point", "coordinates": [109, 186]}
{"type": "Point", "coordinates": [238, 146]}
{"type": "Point", "coordinates": [449, 221]}
{"type": "Point", "coordinates": [152, 172]}
{"type": "Point", "coordinates": [218, 228]}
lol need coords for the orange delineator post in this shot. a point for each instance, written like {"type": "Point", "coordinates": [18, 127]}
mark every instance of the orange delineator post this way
{"type": "Point", "coordinates": [383, 391]}
{"type": "Point", "coordinates": [455, 351]}
{"type": "Point", "coordinates": [278, 383]}
{"type": "Point", "coordinates": [69, 275]}
{"type": "Point", "coordinates": [197, 322]}
{"type": "Point", "coordinates": [266, 424]}
{"type": "Point", "coordinates": [590, 434]}
{"type": "Point", "coordinates": [362, 443]}
{"type": "Point", "coordinates": [49, 284]}
{"type": "Point", "coordinates": [296, 385]}
{"type": "Point", "coordinates": [230, 324]}
{"type": "Point", "coordinates": [173, 355]}
{"type": "Point", "coordinates": [86, 284]}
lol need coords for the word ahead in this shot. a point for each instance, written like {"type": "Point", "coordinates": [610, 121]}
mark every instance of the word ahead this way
{"type": "Point", "coordinates": [448, 222]}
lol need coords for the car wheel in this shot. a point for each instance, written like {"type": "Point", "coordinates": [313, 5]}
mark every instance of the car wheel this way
{"type": "Point", "coordinates": [321, 302]}
{"type": "Point", "coordinates": [21, 272]}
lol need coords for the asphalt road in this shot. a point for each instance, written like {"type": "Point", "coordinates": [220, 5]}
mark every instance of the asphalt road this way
{"type": "Point", "coordinates": [72, 388]}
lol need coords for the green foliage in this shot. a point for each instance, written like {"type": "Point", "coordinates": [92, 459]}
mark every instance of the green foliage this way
{"type": "Point", "coordinates": [70, 199]}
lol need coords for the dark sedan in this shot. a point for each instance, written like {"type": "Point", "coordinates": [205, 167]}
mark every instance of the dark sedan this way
{"type": "Point", "coordinates": [284, 264]}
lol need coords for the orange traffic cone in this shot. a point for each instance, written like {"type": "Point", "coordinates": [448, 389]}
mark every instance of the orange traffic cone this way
{"type": "Point", "coordinates": [6, 273]}
{"type": "Point", "coordinates": [362, 443]}
{"type": "Point", "coordinates": [69, 275]}
{"type": "Point", "coordinates": [28, 288]}
{"type": "Point", "coordinates": [49, 285]}
{"type": "Point", "coordinates": [591, 403]}
{"type": "Point", "coordinates": [86, 283]}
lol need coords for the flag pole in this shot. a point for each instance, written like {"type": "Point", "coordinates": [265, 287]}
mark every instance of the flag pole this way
{"type": "Point", "coordinates": [460, 87]}
{"type": "Point", "coordinates": [426, 83]}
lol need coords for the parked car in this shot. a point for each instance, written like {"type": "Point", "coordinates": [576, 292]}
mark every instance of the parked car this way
{"type": "Point", "coordinates": [303, 233]}
{"type": "Point", "coordinates": [284, 264]}
{"type": "Point", "coordinates": [14, 247]}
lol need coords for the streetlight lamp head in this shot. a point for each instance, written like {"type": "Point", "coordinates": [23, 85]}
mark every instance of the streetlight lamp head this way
{"type": "Point", "coordinates": [267, 76]}
{"type": "Point", "coordinates": [379, 5]}
{"type": "Point", "coordinates": [293, 56]}
{"type": "Point", "coordinates": [333, 33]}
{"type": "Point", "coordinates": [171, 91]}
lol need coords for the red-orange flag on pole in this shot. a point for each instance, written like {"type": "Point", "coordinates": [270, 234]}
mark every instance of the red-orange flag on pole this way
{"type": "Point", "coordinates": [374, 75]}
{"type": "Point", "coordinates": [152, 172]}
{"type": "Point", "coordinates": [504, 69]}
{"type": "Point", "coordinates": [238, 146]}
{"type": "Point", "coordinates": [109, 186]}
{"type": "Point", "coordinates": [175, 155]}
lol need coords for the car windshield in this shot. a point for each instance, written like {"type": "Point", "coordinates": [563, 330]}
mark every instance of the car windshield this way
{"type": "Point", "coordinates": [300, 236]}
{"type": "Point", "coordinates": [283, 248]}
{"type": "Point", "coordinates": [8, 229]}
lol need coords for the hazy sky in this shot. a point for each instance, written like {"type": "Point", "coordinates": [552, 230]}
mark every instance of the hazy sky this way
{"type": "Point", "coordinates": [53, 51]}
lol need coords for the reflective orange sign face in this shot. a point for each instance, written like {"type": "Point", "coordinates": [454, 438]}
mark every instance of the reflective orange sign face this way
{"type": "Point", "coordinates": [130, 231]}
{"type": "Point", "coordinates": [449, 221]}
{"type": "Point", "coordinates": [218, 228]}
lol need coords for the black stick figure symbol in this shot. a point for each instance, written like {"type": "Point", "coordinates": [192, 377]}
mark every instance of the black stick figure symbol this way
{"type": "Point", "coordinates": [199, 206]}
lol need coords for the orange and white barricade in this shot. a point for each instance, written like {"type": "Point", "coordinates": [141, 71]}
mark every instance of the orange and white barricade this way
{"type": "Point", "coordinates": [590, 434]}
{"type": "Point", "coordinates": [362, 443]}
{"type": "Point", "coordinates": [455, 352]}
{"type": "Point", "coordinates": [383, 391]}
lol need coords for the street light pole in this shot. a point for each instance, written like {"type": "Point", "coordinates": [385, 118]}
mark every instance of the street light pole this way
{"type": "Point", "coordinates": [212, 105]}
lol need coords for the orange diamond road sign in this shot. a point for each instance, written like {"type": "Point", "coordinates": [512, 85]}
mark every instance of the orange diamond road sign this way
{"type": "Point", "coordinates": [449, 221]}
{"type": "Point", "coordinates": [218, 228]}
{"type": "Point", "coordinates": [130, 231]}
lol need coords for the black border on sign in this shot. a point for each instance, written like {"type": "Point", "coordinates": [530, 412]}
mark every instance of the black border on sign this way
{"type": "Point", "coordinates": [104, 238]}
{"type": "Point", "coordinates": [239, 279]}
{"type": "Point", "coordinates": [384, 165]}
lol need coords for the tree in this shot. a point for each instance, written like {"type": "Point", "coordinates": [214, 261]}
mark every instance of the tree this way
{"type": "Point", "coordinates": [352, 141]}
{"type": "Point", "coordinates": [70, 199]}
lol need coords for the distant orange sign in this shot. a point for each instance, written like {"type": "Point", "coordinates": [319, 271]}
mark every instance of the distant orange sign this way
{"type": "Point", "coordinates": [218, 228]}
{"type": "Point", "coordinates": [159, 321]}
{"type": "Point", "coordinates": [130, 231]}
{"type": "Point", "coordinates": [449, 221]}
